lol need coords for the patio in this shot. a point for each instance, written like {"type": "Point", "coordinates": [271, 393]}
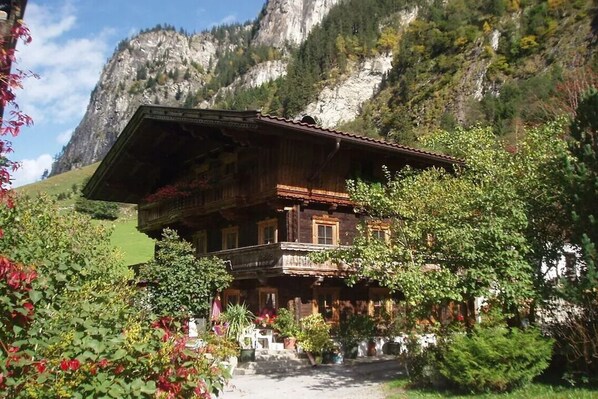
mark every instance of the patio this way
{"type": "Point", "coordinates": [363, 378]}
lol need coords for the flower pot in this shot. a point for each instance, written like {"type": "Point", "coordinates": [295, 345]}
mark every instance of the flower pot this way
{"type": "Point", "coordinates": [289, 343]}
{"type": "Point", "coordinates": [351, 352]}
{"type": "Point", "coordinates": [332, 358]}
{"type": "Point", "coordinates": [247, 355]}
{"type": "Point", "coordinates": [392, 348]}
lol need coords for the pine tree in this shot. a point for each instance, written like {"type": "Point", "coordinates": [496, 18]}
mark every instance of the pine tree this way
{"type": "Point", "coordinates": [583, 186]}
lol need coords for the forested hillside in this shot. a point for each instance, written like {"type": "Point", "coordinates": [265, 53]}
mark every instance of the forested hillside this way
{"type": "Point", "coordinates": [503, 63]}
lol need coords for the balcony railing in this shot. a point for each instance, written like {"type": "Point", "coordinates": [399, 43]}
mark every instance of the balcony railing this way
{"type": "Point", "coordinates": [223, 196]}
{"type": "Point", "coordinates": [283, 258]}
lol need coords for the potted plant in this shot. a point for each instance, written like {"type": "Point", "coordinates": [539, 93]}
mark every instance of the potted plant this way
{"type": "Point", "coordinates": [287, 327]}
{"type": "Point", "coordinates": [332, 354]}
{"type": "Point", "coordinates": [352, 331]}
{"type": "Point", "coordinates": [313, 336]}
{"type": "Point", "coordinates": [394, 331]}
{"type": "Point", "coordinates": [240, 323]}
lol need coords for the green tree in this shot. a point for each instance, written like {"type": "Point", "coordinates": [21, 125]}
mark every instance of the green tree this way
{"type": "Point", "coordinates": [582, 181]}
{"type": "Point", "coordinates": [474, 227]}
{"type": "Point", "coordinates": [69, 326]}
{"type": "Point", "coordinates": [180, 284]}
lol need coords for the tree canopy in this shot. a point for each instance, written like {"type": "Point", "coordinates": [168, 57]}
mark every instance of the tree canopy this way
{"type": "Point", "coordinates": [178, 282]}
{"type": "Point", "coordinates": [467, 232]}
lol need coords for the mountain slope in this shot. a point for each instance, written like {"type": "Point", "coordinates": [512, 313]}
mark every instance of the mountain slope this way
{"type": "Point", "coordinates": [162, 66]}
{"type": "Point", "coordinates": [390, 68]}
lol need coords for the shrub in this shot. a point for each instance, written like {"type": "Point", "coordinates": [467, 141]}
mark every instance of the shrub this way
{"type": "Point", "coordinates": [575, 329]}
{"type": "Point", "coordinates": [354, 330]}
{"type": "Point", "coordinates": [68, 325]}
{"type": "Point", "coordinates": [180, 284]}
{"type": "Point", "coordinates": [314, 334]}
{"type": "Point", "coordinates": [494, 359]}
{"type": "Point", "coordinates": [422, 363]}
{"type": "Point", "coordinates": [285, 323]}
{"type": "Point", "coordinates": [97, 209]}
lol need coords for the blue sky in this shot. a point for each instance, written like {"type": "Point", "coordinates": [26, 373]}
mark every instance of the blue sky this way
{"type": "Point", "coordinates": [72, 40]}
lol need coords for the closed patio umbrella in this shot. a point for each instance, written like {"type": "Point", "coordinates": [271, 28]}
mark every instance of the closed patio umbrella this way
{"type": "Point", "coordinates": [216, 308]}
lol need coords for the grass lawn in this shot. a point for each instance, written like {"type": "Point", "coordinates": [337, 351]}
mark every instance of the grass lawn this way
{"type": "Point", "coordinates": [61, 184]}
{"type": "Point", "coordinates": [398, 389]}
{"type": "Point", "coordinates": [135, 246]}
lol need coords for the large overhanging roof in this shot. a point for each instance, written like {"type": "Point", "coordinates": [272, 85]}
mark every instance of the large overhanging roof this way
{"type": "Point", "coordinates": [158, 141]}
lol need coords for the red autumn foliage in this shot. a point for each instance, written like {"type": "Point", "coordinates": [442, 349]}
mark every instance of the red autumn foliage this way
{"type": "Point", "coordinates": [9, 82]}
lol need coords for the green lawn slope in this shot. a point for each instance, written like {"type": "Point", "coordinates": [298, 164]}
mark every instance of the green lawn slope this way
{"type": "Point", "coordinates": [134, 246]}
{"type": "Point", "coordinates": [65, 185]}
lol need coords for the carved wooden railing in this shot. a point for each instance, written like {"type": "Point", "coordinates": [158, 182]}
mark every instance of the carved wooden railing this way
{"type": "Point", "coordinates": [219, 197]}
{"type": "Point", "coordinates": [291, 258]}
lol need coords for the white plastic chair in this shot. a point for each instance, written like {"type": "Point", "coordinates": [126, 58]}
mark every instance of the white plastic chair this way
{"type": "Point", "coordinates": [266, 335]}
{"type": "Point", "coordinates": [251, 334]}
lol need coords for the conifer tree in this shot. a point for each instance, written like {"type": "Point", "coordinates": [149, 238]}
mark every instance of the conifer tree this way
{"type": "Point", "coordinates": [583, 186]}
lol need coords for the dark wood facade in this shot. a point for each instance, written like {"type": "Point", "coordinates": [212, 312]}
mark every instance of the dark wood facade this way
{"type": "Point", "coordinates": [258, 191]}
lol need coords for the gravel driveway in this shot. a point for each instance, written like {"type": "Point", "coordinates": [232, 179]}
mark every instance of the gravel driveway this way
{"type": "Point", "coordinates": [324, 382]}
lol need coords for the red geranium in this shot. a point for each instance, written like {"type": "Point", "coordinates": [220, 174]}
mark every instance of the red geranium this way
{"type": "Point", "coordinates": [74, 364]}
{"type": "Point", "coordinates": [41, 366]}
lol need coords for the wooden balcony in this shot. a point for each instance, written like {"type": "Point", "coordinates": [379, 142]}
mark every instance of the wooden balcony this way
{"type": "Point", "coordinates": [158, 214]}
{"type": "Point", "coordinates": [282, 258]}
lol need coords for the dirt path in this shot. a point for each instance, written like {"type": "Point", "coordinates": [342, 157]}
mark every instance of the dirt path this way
{"type": "Point", "coordinates": [323, 382]}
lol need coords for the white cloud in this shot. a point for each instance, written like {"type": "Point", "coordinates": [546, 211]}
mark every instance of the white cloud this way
{"type": "Point", "coordinates": [31, 170]}
{"type": "Point", "coordinates": [64, 137]}
{"type": "Point", "coordinates": [68, 67]}
{"type": "Point", "coordinates": [229, 19]}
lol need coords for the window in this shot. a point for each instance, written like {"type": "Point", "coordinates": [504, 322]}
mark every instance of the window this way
{"type": "Point", "coordinates": [379, 231]}
{"type": "Point", "coordinates": [268, 231]}
{"type": "Point", "coordinates": [380, 302]}
{"type": "Point", "coordinates": [325, 230]}
{"type": "Point", "coordinates": [200, 242]}
{"type": "Point", "coordinates": [268, 298]}
{"type": "Point", "coordinates": [326, 303]}
{"type": "Point", "coordinates": [231, 296]}
{"type": "Point", "coordinates": [230, 238]}
{"type": "Point", "coordinates": [570, 266]}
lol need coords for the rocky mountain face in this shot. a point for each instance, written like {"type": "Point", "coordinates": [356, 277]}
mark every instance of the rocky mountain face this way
{"type": "Point", "coordinates": [165, 67]}
{"type": "Point", "coordinates": [124, 85]}
{"type": "Point", "coordinates": [288, 22]}
{"type": "Point", "coordinates": [385, 68]}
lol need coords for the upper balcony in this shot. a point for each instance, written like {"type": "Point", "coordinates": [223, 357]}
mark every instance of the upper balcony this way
{"type": "Point", "coordinates": [161, 212]}
{"type": "Point", "coordinates": [282, 258]}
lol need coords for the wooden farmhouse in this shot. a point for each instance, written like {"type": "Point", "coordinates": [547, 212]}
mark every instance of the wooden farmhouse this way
{"type": "Point", "coordinates": [258, 191]}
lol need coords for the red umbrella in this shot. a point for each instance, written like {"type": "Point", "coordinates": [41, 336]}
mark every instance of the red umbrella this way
{"type": "Point", "coordinates": [216, 308]}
